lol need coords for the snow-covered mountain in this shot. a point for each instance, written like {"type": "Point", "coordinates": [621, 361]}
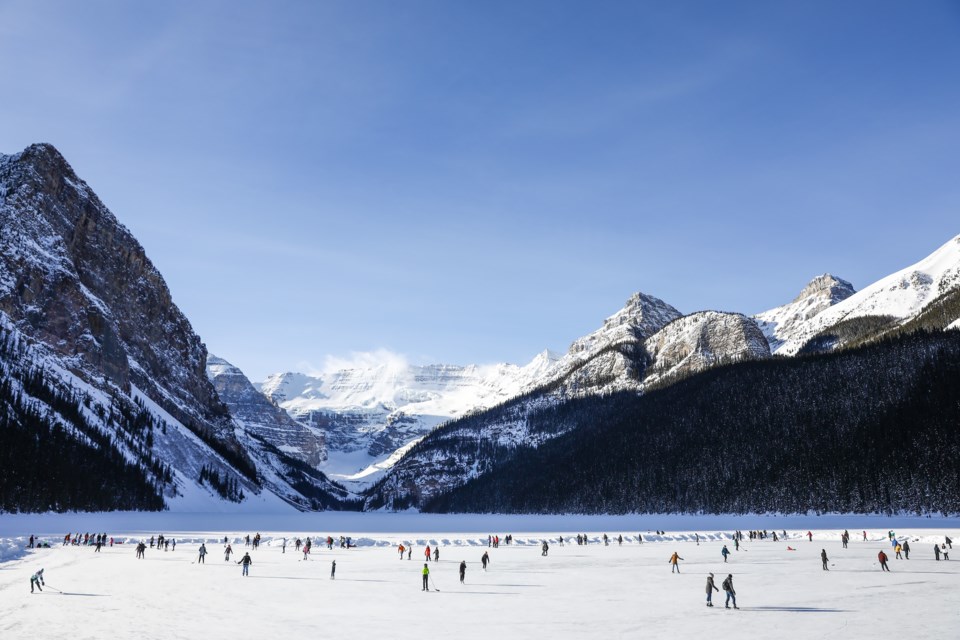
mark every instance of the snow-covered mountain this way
{"type": "Point", "coordinates": [369, 416]}
{"type": "Point", "coordinates": [828, 314]}
{"type": "Point", "coordinates": [647, 342]}
{"type": "Point", "coordinates": [786, 323]}
{"type": "Point", "coordinates": [103, 353]}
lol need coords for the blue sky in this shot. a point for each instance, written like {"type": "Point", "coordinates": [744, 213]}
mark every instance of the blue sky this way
{"type": "Point", "coordinates": [475, 182]}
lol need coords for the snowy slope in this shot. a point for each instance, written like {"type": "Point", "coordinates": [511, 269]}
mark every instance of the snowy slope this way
{"type": "Point", "coordinates": [899, 296]}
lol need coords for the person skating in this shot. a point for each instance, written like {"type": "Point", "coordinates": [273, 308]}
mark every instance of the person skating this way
{"type": "Point", "coordinates": [141, 548]}
{"type": "Point", "coordinates": [947, 541]}
{"type": "Point", "coordinates": [731, 592]}
{"type": "Point", "coordinates": [736, 543]}
{"type": "Point", "coordinates": [899, 551]}
{"type": "Point", "coordinates": [463, 570]}
{"type": "Point", "coordinates": [936, 552]}
{"type": "Point", "coordinates": [409, 553]}
{"type": "Point", "coordinates": [203, 553]}
{"type": "Point", "coordinates": [426, 553]}
{"type": "Point", "coordinates": [945, 551]}
{"type": "Point", "coordinates": [246, 561]}
{"type": "Point", "coordinates": [710, 589]}
{"type": "Point", "coordinates": [824, 559]}
{"type": "Point", "coordinates": [436, 554]}
{"type": "Point", "coordinates": [544, 548]}
{"type": "Point", "coordinates": [283, 549]}
{"type": "Point", "coordinates": [227, 552]}
{"type": "Point", "coordinates": [882, 557]}
{"type": "Point", "coordinates": [725, 552]}
{"type": "Point", "coordinates": [401, 549]}
{"type": "Point", "coordinates": [484, 559]}
{"type": "Point", "coordinates": [37, 579]}
{"type": "Point", "coordinates": [810, 535]}
{"type": "Point", "coordinates": [426, 577]}
{"type": "Point", "coordinates": [906, 549]}
{"type": "Point", "coordinates": [333, 570]}
{"type": "Point", "coordinates": [674, 561]}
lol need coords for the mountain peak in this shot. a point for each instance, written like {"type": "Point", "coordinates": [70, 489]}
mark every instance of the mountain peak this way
{"type": "Point", "coordinates": [827, 285]}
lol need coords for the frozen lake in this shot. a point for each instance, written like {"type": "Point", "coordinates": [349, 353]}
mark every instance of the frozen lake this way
{"type": "Point", "coordinates": [591, 591]}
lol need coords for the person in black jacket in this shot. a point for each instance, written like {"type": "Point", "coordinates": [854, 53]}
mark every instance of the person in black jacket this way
{"type": "Point", "coordinates": [246, 561]}
{"type": "Point", "coordinates": [731, 593]}
{"type": "Point", "coordinates": [824, 559]}
{"type": "Point", "coordinates": [463, 570]}
{"type": "Point", "coordinates": [710, 589]}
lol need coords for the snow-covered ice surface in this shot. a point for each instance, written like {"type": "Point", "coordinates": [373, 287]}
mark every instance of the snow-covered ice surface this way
{"type": "Point", "coordinates": [574, 592]}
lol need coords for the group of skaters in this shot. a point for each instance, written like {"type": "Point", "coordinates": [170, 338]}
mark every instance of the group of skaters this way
{"type": "Point", "coordinates": [93, 540]}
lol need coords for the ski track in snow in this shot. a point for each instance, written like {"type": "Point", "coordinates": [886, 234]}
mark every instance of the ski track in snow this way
{"type": "Point", "coordinates": [592, 591]}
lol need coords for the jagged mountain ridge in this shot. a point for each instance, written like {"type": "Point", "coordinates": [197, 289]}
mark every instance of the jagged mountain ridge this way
{"type": "Point", "coordinates": [783, 325]}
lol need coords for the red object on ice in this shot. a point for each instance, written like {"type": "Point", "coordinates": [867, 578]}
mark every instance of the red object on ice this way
{"type": "Point", "coordinates": [790, 549]}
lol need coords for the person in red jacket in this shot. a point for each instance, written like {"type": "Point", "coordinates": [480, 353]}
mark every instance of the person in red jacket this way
{"type": "Point", "coordinates": [882, 557]}
{"type": "Point", "coordinates": [426, 553]}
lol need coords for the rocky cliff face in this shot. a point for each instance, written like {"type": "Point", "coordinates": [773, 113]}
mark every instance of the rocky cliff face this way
{"type": "Point", "coordinates": [702, 340]}
{"type": "Point", "coordinates": [262, 418]}
{"type": "Point", "coordinates": [74, 278]}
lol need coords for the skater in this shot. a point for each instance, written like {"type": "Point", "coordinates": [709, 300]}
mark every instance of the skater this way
{"type": "Point", "coordinates": [736, 543]}
{"type": "Point", "coordinates": [698, 540]}
{"type": "Point", "coordinates": [203, 553]}
{"type": "Point", "coordinates": [226, 553]}
{"type": "Point", "coordinates": [710, 589]}
{"type": "Point", "coordinates": [947, 541]}
{"type": "Point", "coordinates": [674, 560]}
{"type": "Point", "coordinates": [824, 559]}
{"type": "Point", "coordinates": [463, 570]}
{"type": "Point", "coordinates": [246, 562]}
{"type": "Point", "coordinates": [882, 557]}
{"type": "Point", "coordinates": [731, 593]}
{"type": "Point", "coordinates": [426, 577]}
{"type": "Point", "coordinates": [906, 549]}
{"type": "Point", "coordinates": [409, 553]}
{"type": "Point", "coordinates": [545, 548]}
{"type": "Point", "coordinates": [401, 549]}
{"type": "Point", "coordinates": [725, 552]}
{"type": "Point", "coordinates": [140, 549]}
{"type": "Point", "coordinates": [30, 546]}
{"type": "Point", "coordinates": [810, 535]}
{"type": "Point", "coordinates": [945, 551]}
{"type": "Point", "coordinates": [899, 551]}
{"type": "Point", "coordinates": [864, 536]}
{"type": "Point", "coordinates": [284, 547]}
{"type": "Point", "coordinates": [936, 552]}
{"type": "Point", "coordinates": [436, 554]}
{"type": "Point", "coordinates": [484, 559]}
{"type": "Point", "coordinates": [620, 541]}
{"type": "Point", "coordinates": [333, 570]}
{"type": "Point", "coordinates": [426, 553]}
{"type": "Point", "coordinates": [37, 579]}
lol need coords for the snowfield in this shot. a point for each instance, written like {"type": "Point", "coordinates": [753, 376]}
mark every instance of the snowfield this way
{"type": "Point", "coordinates": [592, 591]}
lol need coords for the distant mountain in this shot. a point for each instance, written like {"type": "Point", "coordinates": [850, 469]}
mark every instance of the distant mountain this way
{"type": "Point", "coordinates": [368, 417]}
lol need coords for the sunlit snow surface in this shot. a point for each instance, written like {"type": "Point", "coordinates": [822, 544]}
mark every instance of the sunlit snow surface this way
{"type": "Point", "coordinates": [574, 592]}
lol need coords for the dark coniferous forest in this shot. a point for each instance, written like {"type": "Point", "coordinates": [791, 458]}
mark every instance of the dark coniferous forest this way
{"type": "Point", "coordinates": [54, 458]}
{"type": "Point", "coordinates": [874, 429]}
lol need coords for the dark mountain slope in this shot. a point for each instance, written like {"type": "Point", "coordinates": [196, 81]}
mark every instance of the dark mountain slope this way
{"type": "Point", "coordinates": [868, 430]}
